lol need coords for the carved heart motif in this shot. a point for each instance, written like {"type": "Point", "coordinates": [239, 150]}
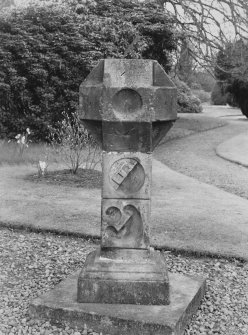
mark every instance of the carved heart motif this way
{"type": "Point", "coordinates": [125, 228]}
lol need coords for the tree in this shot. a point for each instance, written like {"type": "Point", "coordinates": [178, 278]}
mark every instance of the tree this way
{"type": "Point", "coordinates": [185, 64]}
{"type": "Point", "coordinates": [232, 72]}
{"type": "Point", "coordinates": [47, 51]}
{"type": "Point", "coordinates": [208, 25]}
{"type": "Point", "coordinates": [6, 3]}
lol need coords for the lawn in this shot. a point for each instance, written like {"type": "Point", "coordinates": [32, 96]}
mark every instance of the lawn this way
{"type": "Point", "coordinates": [11, 154]}
{"type": "Point", "coordinates": [185, 125]}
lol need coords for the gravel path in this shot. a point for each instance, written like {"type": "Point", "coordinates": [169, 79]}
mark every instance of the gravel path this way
{"type": "Point", "coordinates": [33, 263]}
{"type": "Point", "coordinates": [196, 157]}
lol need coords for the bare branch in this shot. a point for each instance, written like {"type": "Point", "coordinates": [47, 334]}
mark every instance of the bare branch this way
{"type": "Point", "coordinates": [208, 25]}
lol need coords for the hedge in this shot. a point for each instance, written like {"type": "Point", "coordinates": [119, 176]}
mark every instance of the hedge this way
{"type": "Point", "coordinates": [46, 51]}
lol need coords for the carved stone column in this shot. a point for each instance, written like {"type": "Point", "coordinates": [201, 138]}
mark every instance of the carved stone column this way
{"type": "Point", "coordinates": [129, 105]}
{"type": "Point", "coordinates": [124, 287]}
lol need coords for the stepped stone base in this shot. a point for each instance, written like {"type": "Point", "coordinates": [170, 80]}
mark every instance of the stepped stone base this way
{"type": "Point", "coordinates": [124, 276]}
{"type": "Point", "coordinates": [60, 305]}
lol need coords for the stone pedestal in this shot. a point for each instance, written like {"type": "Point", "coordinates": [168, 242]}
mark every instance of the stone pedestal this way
{"type": "Point", "coordinates": [124, 276]}
{"type": "Point", "coordinates": [60, 306]}
{"type": "Point", "coordinates": [129, 106]}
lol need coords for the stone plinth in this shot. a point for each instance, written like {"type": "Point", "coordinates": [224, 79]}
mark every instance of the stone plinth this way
{"type": "Point", "coordinates": [124, 277]}
{"type": "Point", "coordinates": [60, 305]}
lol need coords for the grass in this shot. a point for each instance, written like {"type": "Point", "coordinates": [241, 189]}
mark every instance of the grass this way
{"type": "Point", "coordinates": [189, 124]}
{"type": "Point", "coordinates": [84, 178]}
{"type": "Point", "coordinates": [10, 153]}
{"type": "Point", "coordinates": [185, 125]}
{"type": "Point", "coordinates": [49, 204]}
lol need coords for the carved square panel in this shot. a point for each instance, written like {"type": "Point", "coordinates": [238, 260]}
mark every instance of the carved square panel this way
{"type": "Point", "coordinates": [125, 223]}
{"type": "Point", "coordinates": [126, 175]}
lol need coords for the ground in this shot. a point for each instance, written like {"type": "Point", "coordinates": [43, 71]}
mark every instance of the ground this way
{"type": "Point", "coordinates": [31, 263]}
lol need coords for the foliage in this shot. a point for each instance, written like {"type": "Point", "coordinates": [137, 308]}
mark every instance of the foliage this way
{"type": "Point", "coordinates": [6, 3]}
{"type": "Point", "coordinates": [238, 88]}
{"type": "Point", "coordinates": [232, 72]}
{"type": "Point", "coordinates": [202, 95]}
{"type": "Point", "coordinates": [47, 50]}
{"type": "Point", "coordinates": [74, 145]}
{"type": "Point", "coordinates": [185, 64]}
{"type": "Point", "coordinates": [204, 80]}
{"type": "Point", "coordinates": [208, 25]}
{"type": "Point", "coordinates": [218, 96]}
{"type": "Point", "coordinates": [186, 101]}
{"type": "Point", "coordinates": [22, 141]}
{"type": "Point", "coordinates": [10, 154]}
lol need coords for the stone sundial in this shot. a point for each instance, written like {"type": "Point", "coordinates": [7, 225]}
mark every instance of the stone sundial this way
{"type": "Point", "coordinates": [124, 286]}
{"type": "Point", "coordinates": [128, 105]}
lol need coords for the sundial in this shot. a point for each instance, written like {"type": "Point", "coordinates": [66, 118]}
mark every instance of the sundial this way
{"type": "Point", "coordinates": [124, 287]}
{"type": "Point", "coordinates": [128, 105]}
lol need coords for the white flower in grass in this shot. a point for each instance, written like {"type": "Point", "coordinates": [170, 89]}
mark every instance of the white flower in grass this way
{"type": "Point", "coordinates": [18, 136]}
{"type": "Point", "coordinates": [42, 167]}
{"type": "Point", "coordinates": [23, 140]}
{"type": "Point", "coordinates": [28, 131]}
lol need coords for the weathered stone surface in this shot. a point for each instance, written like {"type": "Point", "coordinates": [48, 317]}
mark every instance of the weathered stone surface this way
{"type": "Point", "coordinates": [142, 104]}
{"type": "Point", "coordinates": [128, 90]}
{"type": "Point", "coordinates": [90, 93]}
{"type": "Point", "coordinates": [160, 78]}
{"type": "Point", "coordinates": [127, 136]}
{"type": "Point", "coordinates": [140, 279]}
{"type": "Point", "coordinates": [60, 305]}
{"type": "Point", "coordinates": [164, 104]}
{"type": "Point", "coordinates": [125, 223]}
{"type": "Point", "coordinates": [126, 175]}
{"type": "Point", "coordinates": [159, 130]}
{"type": "Point", "coordinates": [128, 73]}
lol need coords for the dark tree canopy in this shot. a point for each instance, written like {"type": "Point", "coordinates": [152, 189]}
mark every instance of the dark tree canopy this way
{"type": "Point", "coordinates": [232, 72]}
{"type": "Point", "coordinates": [47, 51]}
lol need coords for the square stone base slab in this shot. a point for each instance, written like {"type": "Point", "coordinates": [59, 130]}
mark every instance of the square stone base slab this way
{"type": "Point", "coordinates": [60, 305]}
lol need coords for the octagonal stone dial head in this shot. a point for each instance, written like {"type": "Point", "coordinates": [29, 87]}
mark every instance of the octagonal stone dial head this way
{"type": "Point", "coordinates": [128, 104]}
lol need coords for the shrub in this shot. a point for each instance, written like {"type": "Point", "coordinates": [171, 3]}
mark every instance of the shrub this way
{"type": "Point", "coordinates": [218, 96]}
{"type": "Point", "coordinates": [239, 91]}
{"type": "Point", "coordinates": [231, 69]}
{"type": "Point", "coordinates": [47, 50]}
{"type": "Point", "coordinates": [73, 144]}
{"type": "Point", "coordinates": [186, 101]}
{"type": "Point", "coordinates": [202, 95]}
{"type": "Point", "coordinates": [205, 80]}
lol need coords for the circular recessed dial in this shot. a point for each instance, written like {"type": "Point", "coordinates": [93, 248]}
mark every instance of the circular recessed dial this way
{"type": "Point", "coordinates": [127, 175]}
{"type": "Point", "coordinates": [126, 102]}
